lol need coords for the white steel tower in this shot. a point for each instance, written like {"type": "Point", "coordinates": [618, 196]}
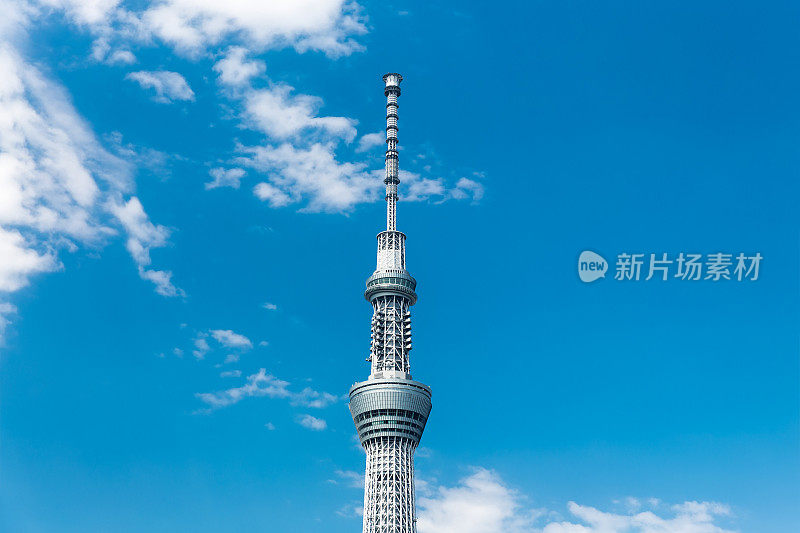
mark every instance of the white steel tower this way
{"type": "Point", "coordinates": [390, 409]}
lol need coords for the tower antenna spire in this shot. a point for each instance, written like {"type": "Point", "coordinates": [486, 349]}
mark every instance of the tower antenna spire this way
{"type": "Point", "coordinates": [392, 92]}
{"type": "Point", "coordinates": [390, 409]}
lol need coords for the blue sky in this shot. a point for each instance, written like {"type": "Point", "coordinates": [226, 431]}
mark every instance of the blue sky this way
{"type": "Point", "coordinates": [191, 192]}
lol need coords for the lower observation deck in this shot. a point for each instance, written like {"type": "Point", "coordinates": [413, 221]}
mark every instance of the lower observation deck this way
{"type": "Point", "coordinates": [390, 407]}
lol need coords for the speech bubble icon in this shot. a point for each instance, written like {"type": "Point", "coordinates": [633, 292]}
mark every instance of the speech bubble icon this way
{"type": "Point", "coordinates": [591, 266]}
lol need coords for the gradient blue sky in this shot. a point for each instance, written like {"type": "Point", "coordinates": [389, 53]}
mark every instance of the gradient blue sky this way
{"type": "Point", "coordinates": [530, 131]}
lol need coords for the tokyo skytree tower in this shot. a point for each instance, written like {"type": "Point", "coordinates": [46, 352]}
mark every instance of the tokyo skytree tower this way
{"type": "Point", "coordinates": [390, 409]}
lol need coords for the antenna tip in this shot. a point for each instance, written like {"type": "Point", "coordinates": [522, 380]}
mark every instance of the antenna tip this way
{"type": "Point", "coordinates": [392, 78]}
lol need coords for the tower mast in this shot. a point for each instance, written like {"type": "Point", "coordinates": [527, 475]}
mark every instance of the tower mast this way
{"type": "Point", "coordinates": [392, 92]}
{"type": "Point", "coordinates": [390, 409]}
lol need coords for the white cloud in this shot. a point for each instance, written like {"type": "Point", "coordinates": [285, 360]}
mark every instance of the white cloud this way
{"type": "Point", "coordinates": [263, 384]}
{"type": "Point", "coordinates": [270, 426]}
{"type": "Point", "coordinates": [419, 188]}
{"type": "Point", "coordinates": [230, 339]}
{"type": "Point", "coordinates": [192, 26]}
{"type": "Point", "coordinates": [50, 162]}
{"type": "Point", "coordinates": [260, 384]}
{"type": "Point", "coordinates": [311, 174]}
{"type": "Point", "coordinates": [122, 57]}
{"type": "Point", "coordinates": [313, 423]}
{"type": "Point", "coordinates": [688, 517]}
{"type": "Point", "coordinates": [95, 12]}
{"type": "Point", "coordinates": [415, 188]}
{"type": "Point", "coordinates": [102, 52]}
{"type": "Point", "coordinates": [238, 28]}
{"type": "Point", "coordinates": [225, 338]}
{"type": "Point", "coordinates": [195, 27]}
{"type": "Point", "coordinates": [168, 86]}
{"type": "Point", "coordinates": [314, 176]}
{"type": "Point", "coordinates": [483, 503]}
{"type": "Point", "coordinates": [225, 178]}
{"type": "Point", "coordinates": [273, 195]}
{"type": "Point", "coordinates": [466, 187]}
{"type": "Point", "coordinates": [231, 374]}
{"type": "Point", "coordinates": [309, 397]}
{"type": "Point", "coordinates": [142, 236]}
{"type": "Point", "coordinates": [60, 186]}
{"type": "Point", "coordinates": [299, 156]}
{"type": "Point", "coordinates": [235, 70]}
{"type": "Point", "coordinates": [201, 347]}
{"type": "Point", "coordinates": [371, 140]}
{"type": "Point", "coordinates": [269, 306]}
{"type": "Point", "coordinates": [20, 260]}
{"type": "Point", "coordinates": [162, 279]}
{"type": "Point", "coordinates": [281, 115]}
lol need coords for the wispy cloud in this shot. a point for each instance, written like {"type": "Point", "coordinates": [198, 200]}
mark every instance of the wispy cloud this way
{"type": "Point", "coordinates": [230, 177]}
{"type": "Point", "coordinates": [688, 517]}
{"type": "Point", "coordinates": [231, 339]}
{"type": "Point", "coordinates": [313, 423]}
{"type": "Point", "coordinates": [309, 397]}
{"type": "Point", "coordinates": [61, 187]}
{"type": "Point", "coordinates": [262, 384]}
{"type": "Point", "coordinates": [201, 347]}
{"type": "Point", "coordinates": [168, 86]}
{"type": "Point", "coordinates": [224, 338]}
{"type": "Point", "coordinates": [269, 306]}
{"type": "Point", "coordinates": [6, 309]}
{"type": "Point", "coordinates": [259, 384]}
{"type": "Point", "coordinates": [142, 236]}
{"type": "Point", "coordinates": [102, 52]}
{"type": "Point", "coordinates": [351, 510]}
{"type": "Point", "coordinates": [315, 176]}
{"type": "Point", "coordinates": [350, 478]}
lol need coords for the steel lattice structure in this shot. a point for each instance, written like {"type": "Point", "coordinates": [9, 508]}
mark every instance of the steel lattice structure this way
{"type": "Point", "coordinates": [390, 409]}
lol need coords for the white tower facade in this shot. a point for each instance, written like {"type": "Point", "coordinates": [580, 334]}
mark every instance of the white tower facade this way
{"type": "Point", "coordinates": [390, 409]}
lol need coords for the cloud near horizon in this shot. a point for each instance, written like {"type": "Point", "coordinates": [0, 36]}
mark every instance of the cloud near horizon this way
{"type": "Point", "coordinates": [483, 503]}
